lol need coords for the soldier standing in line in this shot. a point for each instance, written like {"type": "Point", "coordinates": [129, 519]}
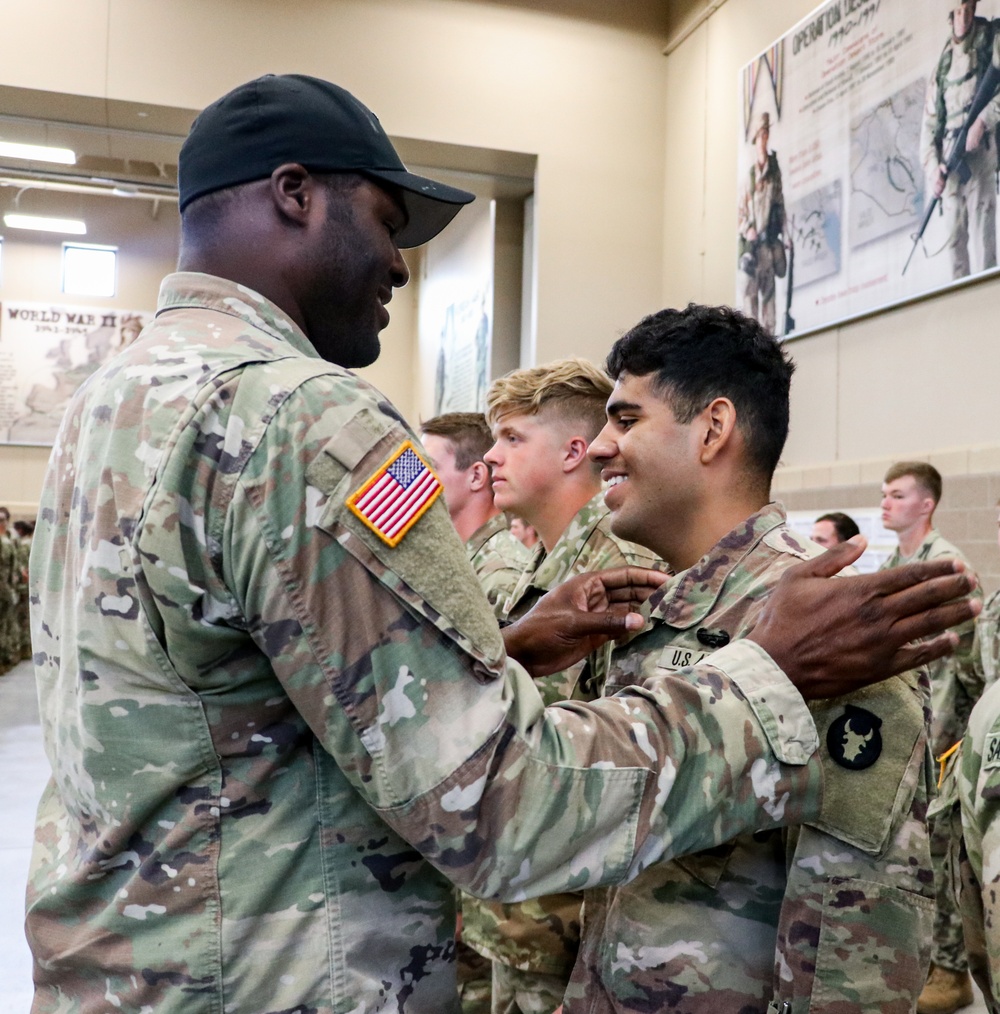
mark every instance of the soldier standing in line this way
{"type": "Point", "coordinates": [761, 224]}
{"type": "Point", "coordinates": [786, 922]}
{"type": "Point", "coordinates": [24, 531]}
{"type": "Point", "coordinates": [910, 493]}
{"type": "Point", "coordinates": [543, 420]}
{"type": "Point", "coordinates": [969, 207]}
{"type": "Point", "coordinates": [832, 529]}
{"type": "Point", "coordinates": [10, 638]}
{"type": "Point", "coordinates": [456, 443]}
{"type": "Point", "coordinates": [988, 632]}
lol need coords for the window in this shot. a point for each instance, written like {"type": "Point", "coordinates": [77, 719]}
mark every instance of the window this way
{"type": "Point", "coordinates": [89, 270]}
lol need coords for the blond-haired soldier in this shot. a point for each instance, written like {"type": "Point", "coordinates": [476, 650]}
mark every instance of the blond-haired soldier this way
{"type": "Point", "coordinates": [543, 420]}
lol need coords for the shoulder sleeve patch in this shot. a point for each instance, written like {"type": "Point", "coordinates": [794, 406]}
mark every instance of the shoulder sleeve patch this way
{"type": "Point", "coordinates": [393, 500]}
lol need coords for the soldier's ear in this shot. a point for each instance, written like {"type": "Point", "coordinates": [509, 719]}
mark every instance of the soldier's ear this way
{"type": "Point", "coordinates": [478, 476]}
{"type": "Point", "coordinates": [715, 426]}
{"type": "Point", "coordinates": [574, 453]}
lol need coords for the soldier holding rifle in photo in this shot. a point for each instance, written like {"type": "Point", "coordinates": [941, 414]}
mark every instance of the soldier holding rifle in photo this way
{"type": "Point", "coordinates": [761, 222]}
{"type": "Point", "coordinates": [957, 144]}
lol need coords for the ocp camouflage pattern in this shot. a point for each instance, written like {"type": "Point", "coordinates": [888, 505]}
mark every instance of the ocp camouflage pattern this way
{"type": "Point", "coordinates": [828, 917]}
{"type": "Point", "coordinates": [542, 936]}
{"type": "Point", "coordinates": [988, 637]}
{"type": "Point", "coordinates": [274, 740]}
{"type": "Point", "coordinates": [498, 558]}
{"type": "Point", "coordinates": [978, 777]}
{"type": "Point", "coordinates": [956, 680]}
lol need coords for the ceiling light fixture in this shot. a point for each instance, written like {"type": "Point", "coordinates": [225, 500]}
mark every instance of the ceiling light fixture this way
{"type": "Point", "coordinates": [37, 153]}
{"type": "Point", "coordinates": [70, 226]}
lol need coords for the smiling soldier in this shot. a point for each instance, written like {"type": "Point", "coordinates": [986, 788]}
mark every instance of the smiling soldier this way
{"type": "Point", "coordinates": [696, 425]}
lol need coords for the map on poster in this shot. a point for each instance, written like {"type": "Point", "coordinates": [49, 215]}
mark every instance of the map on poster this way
{"type": "Point", "coordinates": [46, 352]}
{"type": "Point", "coordinates": [887, 183]}
{"type": "Point", "coordinates": [847, 121]}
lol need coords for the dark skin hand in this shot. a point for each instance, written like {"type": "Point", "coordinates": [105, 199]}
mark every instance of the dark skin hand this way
{"type": "Point", "coordinates": [579, 616]}
{"type": "Point", "coordinates": [833, 637]}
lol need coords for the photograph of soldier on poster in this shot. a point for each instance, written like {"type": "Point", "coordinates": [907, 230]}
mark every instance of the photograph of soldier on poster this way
{"type": "Point", "coordinates": [869, 143]}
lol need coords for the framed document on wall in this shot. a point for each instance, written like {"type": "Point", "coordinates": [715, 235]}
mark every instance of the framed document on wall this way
{"type": "Point", "coordinates": [867, 165]}
{"type": "Point", "coordinates": [46, 352]}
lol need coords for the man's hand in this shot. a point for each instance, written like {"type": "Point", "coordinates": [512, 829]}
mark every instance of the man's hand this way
{"type": "Point", "coordinates": [832, 637]}
{"type": "Point", "coordinates": [940, 179]}
{"type": "Point", "coordinates": [975, 135]}
{"type": "Point", "coordinates": [579, 616]}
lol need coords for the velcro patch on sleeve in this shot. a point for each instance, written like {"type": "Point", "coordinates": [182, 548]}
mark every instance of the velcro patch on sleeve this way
{"type": "Point", "coordinates": [394, 499]}
{"type": "Point", "coordinates": [991, 752]}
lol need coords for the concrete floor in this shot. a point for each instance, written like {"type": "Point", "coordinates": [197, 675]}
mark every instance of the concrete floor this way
{"type": "Point", "coordinates": [23, 773]}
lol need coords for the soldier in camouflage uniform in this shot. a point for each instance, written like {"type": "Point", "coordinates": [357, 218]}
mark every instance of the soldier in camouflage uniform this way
{"type": "Point", "coordinates": [969, 207]}
{"type": "Point", "coordinates": [10, 637]}
{"type": "Point", "coordinates": [456, 443]}
{"type": "Point", "coordinates": [978, 779]}
{"type": "Point", "coordinates": [988, 633]}
{"type": "Point", "coordinates": [823, 917]}
{"type": "Point", "coordinates": [761, 225]}
{"type": "Point", "coordinates": [254, 697]}
{"type": "Point", "coordinates": [23, 546]}
{"type": "Point", "coordinates": [910, 494]}
{"type": "Point", "coordinates": [543, 420]}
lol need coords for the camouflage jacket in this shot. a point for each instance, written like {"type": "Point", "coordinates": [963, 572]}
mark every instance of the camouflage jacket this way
{"type": "Point", "coordinates": [979, 790]}
{"type": "Point", "coordinates": [988, 637]}
{"type": "Point", "coordinates": [9, 573]}
{"type": "Point", "coordinates": [761, 205]}
{"type": "Point", "coordinates": [498, 559]}
{"type": "Point", "coordinates": [263, 719]}
{"type": "Point", "coordinates": [543, 934]}
{"type": "Point", "coordinates": [951, 89]}
{"type": "Point", "coordinates": [829, 917]}
{"type": "Point", "coordinates": [957, 680]}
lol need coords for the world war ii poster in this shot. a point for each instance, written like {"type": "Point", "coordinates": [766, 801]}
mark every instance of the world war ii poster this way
{"type": "Point", "coordinates": [46, 352]}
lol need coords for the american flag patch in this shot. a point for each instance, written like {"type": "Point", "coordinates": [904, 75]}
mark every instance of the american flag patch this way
{"type": "Point", "coordinates": [391, 502]}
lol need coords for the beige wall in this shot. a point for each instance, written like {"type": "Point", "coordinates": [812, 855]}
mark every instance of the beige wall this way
{"type": "Point", "coordinates": [915, 381]}
{"type": "Point", "coordinates": [587, 98]}
{"type": "Point", "coordinates": [32, 270]}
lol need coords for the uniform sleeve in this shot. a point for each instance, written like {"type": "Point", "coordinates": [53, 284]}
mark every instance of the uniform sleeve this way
{"type": "Point", "coordinates": [393, 657]}
{"type": "Point", "coordinates": [931, 127]}
{"type": "Point", "coordinates": [979, 788]}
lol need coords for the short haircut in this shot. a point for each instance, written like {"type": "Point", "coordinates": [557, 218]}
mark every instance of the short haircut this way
{"type": "Point", "coordinates": [4, 514]}
{"type": "Point", "coordinates": [926, 476]}
{"type": "Point", "coordinates": [574, 390]}
{"type": "Point", "coordinates": [706, 352]}
{"type": "Point", "coordinates": [843, 524]}
{"type": "Point", "coordinates": [467, 432]}
{"type": "Point", "coordinates": [205, 214]}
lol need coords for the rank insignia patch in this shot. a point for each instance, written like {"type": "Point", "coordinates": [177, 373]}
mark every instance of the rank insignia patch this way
{"type": "Point", "coordinates": [392, 501]}
{"type": "Point", "coordinates": [854, 740]}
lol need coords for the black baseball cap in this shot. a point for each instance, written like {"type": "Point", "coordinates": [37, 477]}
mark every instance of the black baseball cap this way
{"type": "Point", "coordinates": [281, 118]}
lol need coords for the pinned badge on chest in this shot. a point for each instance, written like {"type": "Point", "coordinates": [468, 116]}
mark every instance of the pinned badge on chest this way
{"type": "Point", "coordinates": [713, 638]}
{"type": "Point", "coordinates": [854, 739]}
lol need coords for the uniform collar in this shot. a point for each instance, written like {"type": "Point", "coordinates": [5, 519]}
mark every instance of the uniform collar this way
{"type": "Point", "coordinates": [688, 597]}
{"type": "Point", "coordinates": [191, 289]}
{"type": "Point", "coordinates": [479, 538]}
{"type": "Point", "coordinates": [549, 569]}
